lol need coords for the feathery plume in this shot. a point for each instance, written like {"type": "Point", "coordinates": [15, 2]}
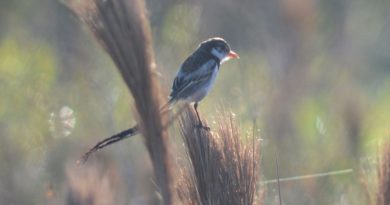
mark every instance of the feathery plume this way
{"type": "Point", "coordinates": [122, 29]}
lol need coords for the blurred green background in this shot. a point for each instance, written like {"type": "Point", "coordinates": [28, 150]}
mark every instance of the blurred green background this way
{"type": "Point", "coordinates": [313, 75]}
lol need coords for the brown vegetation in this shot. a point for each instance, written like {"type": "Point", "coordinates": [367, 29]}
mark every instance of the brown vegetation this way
{"type": "Point", "coordinates": [122, 28]}
{"type": "Point", "coordinates": [223, 170]}
{"type": "Point", "coordinates": [383, 195]}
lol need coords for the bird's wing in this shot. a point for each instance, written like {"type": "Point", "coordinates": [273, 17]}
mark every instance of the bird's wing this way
{"type": "Point", "coordinates": [186, 81]}
{"type": "Point", "coordinates": [194, 62]}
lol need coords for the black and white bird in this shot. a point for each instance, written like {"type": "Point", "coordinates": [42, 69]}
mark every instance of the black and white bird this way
{"type": "Point", "coordinates": [192, 83]}
{"type": "Point", "coordinates": [197, 74]}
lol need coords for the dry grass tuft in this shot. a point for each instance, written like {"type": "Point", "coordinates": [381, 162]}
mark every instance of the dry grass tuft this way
{"type": "Point", "coordinates": [122, 28]}
{"type": "Point", "coordinates": [222, 169]}
{"type": "Point", "coordinates": [383, 195]}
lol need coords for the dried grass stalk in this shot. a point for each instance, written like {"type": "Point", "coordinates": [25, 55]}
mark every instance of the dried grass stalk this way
{"type": "Point", "coordinates": [122, 28]}
{"type": "Point", "coordinates": [222, 169]}
{"type": "Point", "coordinates": [383, 195]}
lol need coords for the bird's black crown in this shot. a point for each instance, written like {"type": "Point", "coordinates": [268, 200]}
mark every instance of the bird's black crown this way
{"type": "Point", "coordinates": [217, 43]}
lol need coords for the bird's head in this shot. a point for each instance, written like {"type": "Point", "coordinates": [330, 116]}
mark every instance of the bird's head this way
{"type": "Point", "coordinates": [219, 48]}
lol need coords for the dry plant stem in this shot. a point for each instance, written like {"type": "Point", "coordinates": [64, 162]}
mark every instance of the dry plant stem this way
{"type": "Point", "coordinates": [222, 169]}
{"type": "Point", "coordinates": [383, 195]}
{"type": "Point", "coordinates": [122, 28]}
{"type": "Point", "coordinates": [308, 176]}
{"type": "Point", "coordinates": [277, 174]}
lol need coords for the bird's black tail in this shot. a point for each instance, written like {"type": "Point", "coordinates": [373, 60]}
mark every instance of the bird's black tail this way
{"type": "Point", "coordinates": [122, 135]}
{"type": "Point", "coordinates": [110, 140]}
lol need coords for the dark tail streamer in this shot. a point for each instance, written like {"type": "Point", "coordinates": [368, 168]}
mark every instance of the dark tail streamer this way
{"type": "Point", "coordinates": [110, 140]}
{"type": "Point", "coordinates": [124, 135]}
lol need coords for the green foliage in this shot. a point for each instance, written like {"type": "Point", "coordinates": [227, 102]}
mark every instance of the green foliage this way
{"type": "Point", "coordinates": [27, 76]}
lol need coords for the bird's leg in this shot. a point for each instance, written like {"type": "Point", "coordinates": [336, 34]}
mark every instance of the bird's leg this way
{"type": "Point", "coordinates": [200, 125]}
{"type": "Point", "coordinates": [197, 114]}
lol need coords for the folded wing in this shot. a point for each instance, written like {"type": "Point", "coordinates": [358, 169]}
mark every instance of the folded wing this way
{"type": "Point", "coordinates": [189, 80]}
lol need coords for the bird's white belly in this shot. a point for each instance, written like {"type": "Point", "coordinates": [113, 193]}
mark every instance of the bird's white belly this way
{"type": "Point", "coordinates": [203, 91]}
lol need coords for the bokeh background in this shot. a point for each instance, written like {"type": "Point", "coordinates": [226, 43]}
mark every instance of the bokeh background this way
{"type": "Point", "coordinates": [313, 78]}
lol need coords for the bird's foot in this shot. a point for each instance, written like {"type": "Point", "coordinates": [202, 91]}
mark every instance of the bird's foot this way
{"type": "Point", "coordinates": [201, 126]}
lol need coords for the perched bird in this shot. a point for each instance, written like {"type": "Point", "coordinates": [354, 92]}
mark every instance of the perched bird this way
{"type": "Point", "coordinates": [198, 72]}
{"type": "Point", "coordinates": [192, 83]}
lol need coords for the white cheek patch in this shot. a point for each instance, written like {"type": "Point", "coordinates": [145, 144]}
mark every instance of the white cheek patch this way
{"type": "Point", "coordinates": [218, 54]}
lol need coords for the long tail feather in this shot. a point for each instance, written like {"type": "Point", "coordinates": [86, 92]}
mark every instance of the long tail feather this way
{"type": "Point", "coordinates": [115, 138]}
{"type": "Point", "coordinates": [122, 135]}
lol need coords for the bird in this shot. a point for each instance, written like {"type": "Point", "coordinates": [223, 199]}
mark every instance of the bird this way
{"type": "Point", "coordinates": [192, 83]}
{"type": "Point", "coordinates": [197, 74]}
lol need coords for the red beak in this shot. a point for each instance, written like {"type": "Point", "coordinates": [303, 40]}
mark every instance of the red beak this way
{"type": "Point", "coordinates": [233, 54]}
